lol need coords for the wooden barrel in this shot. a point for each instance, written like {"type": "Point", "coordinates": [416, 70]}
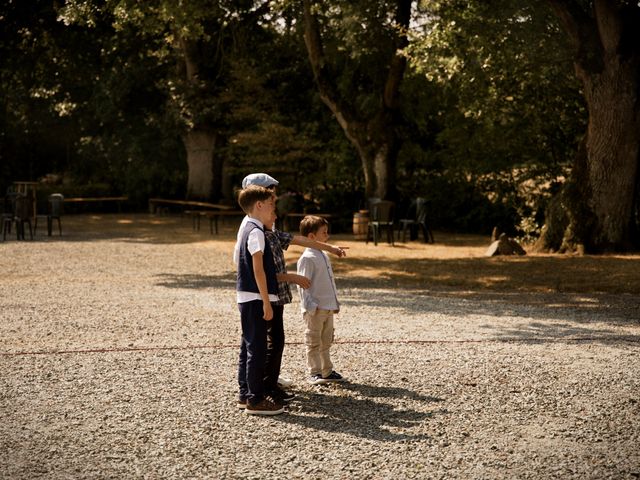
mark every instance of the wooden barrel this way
{"type": "Point", "coordinates": [360, 224]}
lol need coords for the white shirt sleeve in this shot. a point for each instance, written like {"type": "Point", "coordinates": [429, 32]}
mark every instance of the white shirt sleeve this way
{"type": "Point", "coordinates": [255, 242]}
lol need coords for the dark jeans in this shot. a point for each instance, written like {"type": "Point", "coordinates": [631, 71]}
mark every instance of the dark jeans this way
{"type": "Point", "coordinates": [253, 352]}
{"type": "Point", "coordinates": [275, 347]}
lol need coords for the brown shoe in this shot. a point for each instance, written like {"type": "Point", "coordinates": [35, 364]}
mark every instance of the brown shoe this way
{"type": "Point", "coordinates": [266, 406]}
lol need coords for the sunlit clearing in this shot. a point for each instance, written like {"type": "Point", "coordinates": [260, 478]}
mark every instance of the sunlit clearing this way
{"type": "Point", "coordinates": [586, 300]}
{"type": "Point", "coordinates": [492, 280]}
{"type": "Point", "coordinates": [569, 305]}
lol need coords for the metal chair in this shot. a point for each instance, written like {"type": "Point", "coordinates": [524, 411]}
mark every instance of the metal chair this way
{"type": "Point", "coordinates": [56, 209]}
{"type": "Point", "coordinates": [419, 219]}
{"type": "Point", "coordinates": [8, 213]}
{"type": "Point", "coordinates": [21, 212]}
{"type": "Point", "coordinates": [55, 205]}
{"type": "Point", "coordinates": [381, 218]}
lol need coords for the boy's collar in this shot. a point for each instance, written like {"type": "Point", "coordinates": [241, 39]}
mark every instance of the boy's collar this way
{"type": "Point", "coordinates": [256, 221]}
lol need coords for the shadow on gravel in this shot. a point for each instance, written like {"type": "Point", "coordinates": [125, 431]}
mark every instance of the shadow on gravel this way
{"type": "Point", "coordinates": [197, 282]}
{"type": "Point", "coordinates": [556, 274]}
{"type": "Point", "coordinates": [363, 413]}
{"type": "Point", "coordinates": [526, 318]}
{"type": "Point", "coordinates": [538, 332]}
{"type": "Point", "coordinates": [577, 308]}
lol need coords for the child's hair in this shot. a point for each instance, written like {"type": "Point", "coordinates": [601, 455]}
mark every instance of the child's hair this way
{"type": "Point", "coordinates": [249, 196]}
{"type": "Point", "coordinates": [311, 224]}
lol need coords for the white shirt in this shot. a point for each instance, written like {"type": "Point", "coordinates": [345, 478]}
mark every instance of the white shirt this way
{"type": "Point", "coordinates": [255, 244]}
{"type": "Point", "coordinates": [316, 266]}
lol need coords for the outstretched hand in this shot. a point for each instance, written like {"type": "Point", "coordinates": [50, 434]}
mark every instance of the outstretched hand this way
{"type": "Point", "coordinates": [339, 251]}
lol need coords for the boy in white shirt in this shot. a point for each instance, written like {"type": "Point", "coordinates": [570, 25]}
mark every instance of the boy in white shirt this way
{"type": "Point", "coordinates": [257, 287]}
{"type": "Point", "coordinates": [318, 302]}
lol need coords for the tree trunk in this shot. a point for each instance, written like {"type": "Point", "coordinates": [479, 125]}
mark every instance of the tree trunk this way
{"type": "Point", "coordinates": [377, 145]}
{"type": "Point", "coordinates": [613, 145]}
{"type": "Point", "coordinates": [200, 146]}
{"type": "Point", "coordinates": [374, 138]}
{"type": "Point", "coordinates": [601, 196]}
{"type": "Point", "coordinates": [205, 167]}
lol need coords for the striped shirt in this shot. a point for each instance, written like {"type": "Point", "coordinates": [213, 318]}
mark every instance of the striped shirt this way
{"type": "Point", "coordinates": [279, 241]}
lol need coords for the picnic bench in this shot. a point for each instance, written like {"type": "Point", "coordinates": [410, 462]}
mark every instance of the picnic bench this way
{"type": "Point", "coordinates": [197, 210]}
{"type": "Point", "coordinates": [96, 200]}
{"type": "Point", "coordinates": [157, 203]}
{"type": "Point", "coordinates": [213, 216]}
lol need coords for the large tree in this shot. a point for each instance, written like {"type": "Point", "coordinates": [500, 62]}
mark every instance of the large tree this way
{"type": "Point", "coordinates": [196, 44]}
{"type": "Point", "coordinates": [596, 210]}
{"type": "Point", "coordinates": [368, 108]}
{"type": "Point", "coordinates": [508, 111]}
{"type": "Point", "coordinates": [39, 59]}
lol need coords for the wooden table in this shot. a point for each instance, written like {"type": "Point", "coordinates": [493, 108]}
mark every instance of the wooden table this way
{"type": "Point", "coordinates": [80, 200]}
{"type": "Point", "coordinates": [154, 202]}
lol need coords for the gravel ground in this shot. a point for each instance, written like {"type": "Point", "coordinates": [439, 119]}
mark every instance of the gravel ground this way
{"type": "Point", "coordinates": [118, 351]}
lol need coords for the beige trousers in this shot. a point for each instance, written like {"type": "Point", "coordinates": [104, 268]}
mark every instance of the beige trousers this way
{"type": "Point", "coordinates": [318, 337]}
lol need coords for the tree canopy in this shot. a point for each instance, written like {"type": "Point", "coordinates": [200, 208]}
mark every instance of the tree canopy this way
{"type": "Point", "coordinates": [475, 106]}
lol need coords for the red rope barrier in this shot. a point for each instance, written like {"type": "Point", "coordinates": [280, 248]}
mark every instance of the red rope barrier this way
{"type": "Point", "coordinates": [631, 339]}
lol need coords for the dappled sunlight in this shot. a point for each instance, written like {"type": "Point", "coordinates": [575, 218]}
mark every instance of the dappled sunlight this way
{"type": "Point", "coordinates": [493, 280]}
{"type": "Point", "coordinates": [567, 305]}
{"type": "Point", "coordinates": [578, 301]}
{"type": "Point", "coordinates": [584, 300]}
{"type": "Point", "coordinates": [535, 273]}
{"type": "Point", "coordinates": [455, 261]}
{"type": "Point", "coordinates": [137, 228]}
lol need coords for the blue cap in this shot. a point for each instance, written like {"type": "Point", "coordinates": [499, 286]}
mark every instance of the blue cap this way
{"type": "Point", "coordinates": [261, 179]}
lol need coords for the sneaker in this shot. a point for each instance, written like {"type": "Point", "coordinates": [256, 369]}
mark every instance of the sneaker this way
{"type": "Point", "coordinates": [282, 395]}
{"type": "Point", "coordinates": [284, 382]}
{"type": "Point", "coordinates": [334, 377]}
{"type": "Point", "coordinates": [242, 403]}
{"type": "Point", "coordinates": [317, 379]}
{"type": "Point", "coordinates": [266, 406]}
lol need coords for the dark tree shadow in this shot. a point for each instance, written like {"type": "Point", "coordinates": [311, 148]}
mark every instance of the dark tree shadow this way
{"type": "Point", "coordinates": [572, 308]}
{"type": "Point", "coordinates": [197, 282]}
{"type": "Point", "coordinates": [544, 332]}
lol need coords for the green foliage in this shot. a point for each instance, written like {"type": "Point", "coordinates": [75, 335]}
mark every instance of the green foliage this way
{"type": "Point", "coordinates": [491, 112]}
{"type": "Point", "coordinates": [36, 108]}
{"type": "Point", "coordinates": [277, 122]}
{"type": "Point", "coordinates": [86, 107]}
{"type": "Point", "coordinates": [509, 113]}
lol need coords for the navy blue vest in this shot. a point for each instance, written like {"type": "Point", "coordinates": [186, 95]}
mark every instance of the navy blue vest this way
{"type": "Point", "coordinates": [246, 279]}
